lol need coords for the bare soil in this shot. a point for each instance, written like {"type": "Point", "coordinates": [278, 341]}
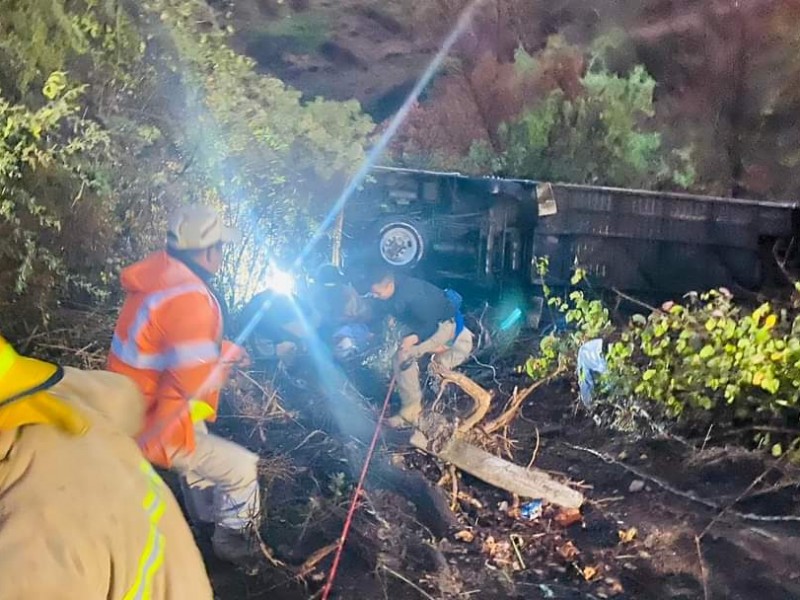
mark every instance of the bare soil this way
{"type": "Point", "coordinates": [407, 544]}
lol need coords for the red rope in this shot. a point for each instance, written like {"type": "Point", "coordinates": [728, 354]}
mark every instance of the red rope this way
{"type": "Point", "coordinates": [356, 495]}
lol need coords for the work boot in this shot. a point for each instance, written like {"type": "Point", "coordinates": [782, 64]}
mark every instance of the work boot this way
{"type": "Point", "coordinates": [238, 547]}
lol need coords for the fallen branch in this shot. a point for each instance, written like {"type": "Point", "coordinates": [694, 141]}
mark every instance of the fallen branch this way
{"type": "Point", "coordinates": [515, 404]}
{"type": "Point", "coordinates": [482, 398]}
{"type": "Point", "coordinates": [317, 557]}
{"type": "Point", "coordinates": [683, 494]}
{"type": "Point", "coordinates": [272, 405]}
{"type": "Point", "coordinates": [265, 550]}
{"type": "Point", "coordinates": [454, 488]}
{"type": "Point", "coordinates": [703, 570]}
{"type": "Point", "coordinates": [740, 497]}
{"type": "Point", "coordinates": [407, 581]}
{"type": "Point", "coordinates": [500, 473]}
{"type": "Point", "coordinates": [535, 450]}
{"type": "Point", "coordinates": [636, 301]}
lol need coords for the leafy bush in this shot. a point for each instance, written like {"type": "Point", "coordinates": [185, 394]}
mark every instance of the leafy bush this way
{"type": "Point", "coordinates": [40, 147]}
{"type": "Point", "coordinates": [263, 154]}
{"type": "Point", "coordinates": [706, 359]}
{"type": "Point", "coordinates": [708, 353]}
{"type": "Point", "coordinates": [185, 118]}
{"type": "Point", "coordinates": [598, 137]}
{"type": "Point", "coordinates": [586, 319]}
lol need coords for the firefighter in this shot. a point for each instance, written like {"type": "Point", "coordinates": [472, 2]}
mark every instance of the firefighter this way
{"type": "Point", "coordinates": [433, 325]}
{"type": "Point", "coordinates": [168, 339]}
{"type": "Point", "coordinates": [84, 515]}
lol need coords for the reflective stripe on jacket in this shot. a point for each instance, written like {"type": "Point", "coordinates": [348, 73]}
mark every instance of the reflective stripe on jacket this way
{"type": "Point", "coordinates": [168, 340]}
{"type": "Point", "coordinates": [86, 516]}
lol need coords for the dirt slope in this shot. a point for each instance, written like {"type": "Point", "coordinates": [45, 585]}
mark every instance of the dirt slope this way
{"type": "Point", "coordinates": [339, 49]}
{"type": "Point", "coordinates": [397, 539]}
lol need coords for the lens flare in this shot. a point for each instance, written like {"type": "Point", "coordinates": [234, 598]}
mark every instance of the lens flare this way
{"type": "Point", "coordinates": [281, 282]}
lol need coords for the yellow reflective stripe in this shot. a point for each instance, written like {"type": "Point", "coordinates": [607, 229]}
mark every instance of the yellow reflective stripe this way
{"type": "Point", "coordinates": [7, 359]}
{"type": "Point", "coordinates": [152, 557]}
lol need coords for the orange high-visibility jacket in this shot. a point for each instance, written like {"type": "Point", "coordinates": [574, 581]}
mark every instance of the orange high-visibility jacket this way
{"type": "Point", "coordinates": [168, 339]}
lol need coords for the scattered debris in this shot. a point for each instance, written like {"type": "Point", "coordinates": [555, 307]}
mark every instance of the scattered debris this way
{"type": "Point", "coordinates": [568, 516]}
{"type": "Point", "coordinates": [626, 536]}
{"type": "Point", "coordinates": [590, 572]}
{"type": "Point", "coordinates": [465, 536]}
{"type": "Point", "coordinates": [517, 543]}
{"type": "Point", "coordinates": [501, 553]}
{"type": "Point", "coordinates": [568, 551]}
{"type": "Point", "coordinates": [530, 511]}
{"type": "Point", "coordinates": [637, 485]}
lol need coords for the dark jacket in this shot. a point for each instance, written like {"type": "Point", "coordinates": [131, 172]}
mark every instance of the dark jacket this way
{"type": "Point", "coordinates": [420, 306]}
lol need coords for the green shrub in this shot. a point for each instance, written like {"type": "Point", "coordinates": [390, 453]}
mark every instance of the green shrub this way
{"type": "Point", "coordinates": [40, 148]}
{"type": "Point", "coordinates": [701, 361]}
{"type": "Point", "coordinates": [299, 33]}
{"type": "Point", "coordinates": [588, 319]}
{"type": "Point", "coordinates": [707, 353]}
{"type": "Point", "coordinates": [599, 137]}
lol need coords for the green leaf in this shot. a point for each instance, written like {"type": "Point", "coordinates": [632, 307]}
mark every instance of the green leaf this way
{"type": "Point", "coordinates": [777, 450]}
{"type": "Point", "coordinates": [55, 84]}
{"type": "Point", "coordinates": [707, 352]}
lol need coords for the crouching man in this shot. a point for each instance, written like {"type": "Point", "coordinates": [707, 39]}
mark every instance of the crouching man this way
{"type": "Point", "coordinates": [84, 515]}
{"type": "Point", "coordinates": [433, 325]}
{"type": "Point", "coordinates": [168, 340]}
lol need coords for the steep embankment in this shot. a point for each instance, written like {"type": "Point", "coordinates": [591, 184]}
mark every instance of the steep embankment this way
{"type": "Point", "coordinates": [339, 49]}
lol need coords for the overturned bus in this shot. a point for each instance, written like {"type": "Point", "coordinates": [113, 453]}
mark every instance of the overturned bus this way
{"type": "Point", "coordinates": [487, 232]}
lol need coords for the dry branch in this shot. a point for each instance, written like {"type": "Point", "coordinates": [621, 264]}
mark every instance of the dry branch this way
{"type": "Point", "coordinates": [688, 495]}
{"type": "Point", "coordinates": [482, 398]}
{"type": "Point", "coordinates": [317, 557]}
{"type": "Point", "coordinates": [703, 570]}
{"type": "Point", "coordinates": [515, 404]}
{"type": "Point", "coordinates": [533, 483]}
{"type": "Point", "coordinates": [406, 580]}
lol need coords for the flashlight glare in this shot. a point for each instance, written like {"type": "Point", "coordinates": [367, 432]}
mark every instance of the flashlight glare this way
{"type": "Point", "coordinates": [280, 282]}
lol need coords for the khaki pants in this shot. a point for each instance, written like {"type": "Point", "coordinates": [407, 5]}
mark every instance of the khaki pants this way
{"type": "Point", "coordinates": [407, 381]}
{"type": "Point", "coordinates": [219, 481]}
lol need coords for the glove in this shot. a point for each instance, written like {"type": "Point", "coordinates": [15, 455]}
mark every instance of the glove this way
{"type": "Point", "coordinates": [233, 354]}
{"type": "Point", "coordinates": [200, 411]}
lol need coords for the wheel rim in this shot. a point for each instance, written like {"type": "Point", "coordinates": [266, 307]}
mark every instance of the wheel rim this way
{"type": "Point", "coordinates": [399, 245]}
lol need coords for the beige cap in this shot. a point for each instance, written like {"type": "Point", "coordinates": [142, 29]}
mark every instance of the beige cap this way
{"type": "Point", "coordinates": [197, 228]}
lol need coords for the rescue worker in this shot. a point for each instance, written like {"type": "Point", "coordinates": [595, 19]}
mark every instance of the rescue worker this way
{"type": "Point", "coordinates": [329, 309]}
{"type": "Point", "coordinates": [433, 325]}
{"type": "Point", "coordinates": [84, 515]}
{"type": "Point", "coordinates": [281, 331]}
{"type": "Point", "coordinates": [341, 312]}
{"type": "Point", "coordinates": [169, 341]}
